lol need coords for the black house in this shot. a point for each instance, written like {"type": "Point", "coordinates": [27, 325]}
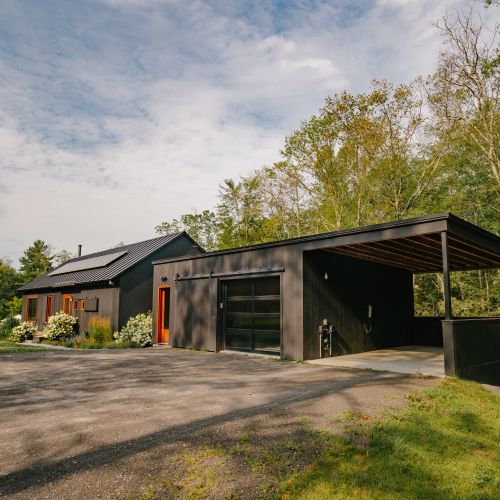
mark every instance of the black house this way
{"type": "Point", "coordinates": [115, 283]}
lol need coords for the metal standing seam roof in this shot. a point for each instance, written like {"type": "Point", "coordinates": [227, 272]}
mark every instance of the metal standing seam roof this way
{"type": "Point", "coordinates": [130, 256]}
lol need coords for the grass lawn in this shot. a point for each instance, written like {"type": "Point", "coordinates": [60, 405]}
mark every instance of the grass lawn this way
{"type": "Point", "coordinates": [445, 444]}
{"type": "Point", "coordinates": [13, 347]}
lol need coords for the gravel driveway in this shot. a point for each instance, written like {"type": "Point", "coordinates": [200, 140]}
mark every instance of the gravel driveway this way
{"type": "Point", "coordinates": [101, 424]}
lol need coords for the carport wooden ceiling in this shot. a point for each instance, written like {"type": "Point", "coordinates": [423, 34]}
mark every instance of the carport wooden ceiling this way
{"type": "Point", "coordinates": [422, 253]}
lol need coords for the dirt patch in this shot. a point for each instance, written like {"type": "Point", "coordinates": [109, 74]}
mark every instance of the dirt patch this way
{"type": "Point", "coordinates": [245, 459]}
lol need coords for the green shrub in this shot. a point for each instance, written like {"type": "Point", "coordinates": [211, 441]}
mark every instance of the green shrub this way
{"type": "Point", "coordinates": [99, 330]}
{"type": "Point", "coordinates": [60, 326]}
{"type": "Point", "coordinates": [22, 332]}
{"type": "Point", "coordinates": [83, 342]}
{"type": "Point", "coordinates": [6, 326]}
{"type": "Point", "coordinates": [109, 345]}
{"type": "Point", "coordinates": [77, 341]}
{"type": "Point", "coordinates": [138, 330]}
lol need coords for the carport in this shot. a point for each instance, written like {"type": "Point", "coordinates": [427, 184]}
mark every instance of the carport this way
{"type": "Point", "coordinates": [469, 347]}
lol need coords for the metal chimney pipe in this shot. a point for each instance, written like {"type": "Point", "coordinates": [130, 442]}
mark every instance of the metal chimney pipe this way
{"type": "Point", "coordinates": [79, 253]}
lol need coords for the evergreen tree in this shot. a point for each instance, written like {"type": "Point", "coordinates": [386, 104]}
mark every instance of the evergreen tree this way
{"type": "Point", "coordinates": [35, 261]}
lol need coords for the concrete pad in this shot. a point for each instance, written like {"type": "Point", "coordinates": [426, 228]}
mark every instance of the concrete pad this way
{"type": "Point", "coordinates": [407, 359]}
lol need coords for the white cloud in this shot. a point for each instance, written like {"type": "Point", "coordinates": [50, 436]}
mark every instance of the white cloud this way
{"type": "Point", "coordinates": [117, 115]}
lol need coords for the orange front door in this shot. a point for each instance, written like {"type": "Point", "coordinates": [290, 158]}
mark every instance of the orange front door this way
{"type": "Point", "coordinates": [163, 315]}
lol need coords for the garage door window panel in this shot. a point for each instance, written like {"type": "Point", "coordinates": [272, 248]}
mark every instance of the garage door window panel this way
{"type": "Point", "coordinates": [253, 314]}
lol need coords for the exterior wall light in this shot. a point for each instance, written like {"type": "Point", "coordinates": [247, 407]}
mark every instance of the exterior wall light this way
{"type": "Point", "coordinates": [326, 276]}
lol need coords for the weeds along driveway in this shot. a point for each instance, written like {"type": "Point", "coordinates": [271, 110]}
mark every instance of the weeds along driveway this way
{"type": "Point", "coordinates": [91, 423]}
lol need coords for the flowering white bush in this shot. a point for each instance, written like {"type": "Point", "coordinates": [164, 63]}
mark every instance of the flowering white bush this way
{"type": "Point", "coordinates": [23, 332]}
{"type": "Point", "coordinates": [138, 330]}
{"type": "Point", "coordinates": [60, 326]}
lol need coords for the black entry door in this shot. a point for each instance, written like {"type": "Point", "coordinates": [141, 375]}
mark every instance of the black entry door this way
{"type": "Point", "coordinates": [252, 319]}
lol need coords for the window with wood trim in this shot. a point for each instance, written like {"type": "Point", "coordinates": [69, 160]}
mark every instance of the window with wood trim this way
{"type": "Point", "coordinates": [75, 305]}
{"type": "Point", "coordinates": [82, 305]}
{"type": "Point", "coordinates": [31, 308]}
{"type": "Point", "coordinates": [48, 309]}
{"type": "Point", "coordinates": [66, 305]}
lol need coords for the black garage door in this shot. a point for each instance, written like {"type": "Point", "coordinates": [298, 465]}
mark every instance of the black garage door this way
{"type": "Point", "coordinates": [252, 319]}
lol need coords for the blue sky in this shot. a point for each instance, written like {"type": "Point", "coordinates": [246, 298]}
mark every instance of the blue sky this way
{"type": "Point", "coordinates": [118, 114]}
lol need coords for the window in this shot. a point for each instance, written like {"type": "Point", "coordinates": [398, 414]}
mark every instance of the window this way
{"type": "Point", "coordinates": [82, 305]}
{"type": "Point", "coordinates": [166, 308]}
{"type": "Point", "coordinates": [48, 310]}
{"type": "Point", "coordinates": [31, 309]}
{"type": "Point", "coordinates": [75, 305]}
{"type": "Point", "coordinates": [252, 317]}
{"type": "Point", "coordinates": [67, 304]}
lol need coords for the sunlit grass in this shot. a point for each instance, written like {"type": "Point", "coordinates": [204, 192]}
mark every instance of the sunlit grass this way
{"type": "Point", "coordinates": [13, 347]}
{"type": "Point", "coordinates": [445, 444]}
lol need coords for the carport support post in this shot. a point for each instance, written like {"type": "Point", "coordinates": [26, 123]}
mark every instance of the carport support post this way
{"type": "Point", "coordinates": [446, 275]}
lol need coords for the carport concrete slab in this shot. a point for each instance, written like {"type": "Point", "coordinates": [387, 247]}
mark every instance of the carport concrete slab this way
{"type": "Point", "coordinates": [407, 359]}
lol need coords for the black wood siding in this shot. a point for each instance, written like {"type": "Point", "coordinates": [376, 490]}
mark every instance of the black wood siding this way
{"type": "Point", "coordinates": [136, 285]}
{"type": "Point", "coordinates": [343, 299]}
{"type": "Point", "coordinates": [194, 303]}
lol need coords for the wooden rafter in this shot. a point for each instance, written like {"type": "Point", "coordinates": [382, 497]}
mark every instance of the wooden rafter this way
{"type": "Point", "coordinates": [421, 253]}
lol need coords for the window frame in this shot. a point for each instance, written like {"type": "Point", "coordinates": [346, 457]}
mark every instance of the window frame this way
{"type": "Point", "coordinates": [70, 297]}
{"type": "Point", "coordinates": [27, 312]}
{"type": "Point", "coordinates": [48, 310]}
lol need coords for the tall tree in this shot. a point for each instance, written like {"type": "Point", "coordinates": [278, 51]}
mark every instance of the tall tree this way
{"type": "Point", "coordinates": [240, 212]}
{"type": "Point", "coordinates": [35, 261]}
{"type": "Point", "coordinates": [9, 281]}
{"type": "Point", "coordinates": [285, 202]}
{"type": "Point", "coordinates": [465, 89]}
{"type": "Point", "coordinates": [366, 157]}
{"type": "Point", "coordinates": [202, 227]}
{"type": "Point", "coordinates": [167, 228]}
{"type": "Point", "coordinates": [61, 257]}
{"type": "Point", "coordinates": [463, 95]}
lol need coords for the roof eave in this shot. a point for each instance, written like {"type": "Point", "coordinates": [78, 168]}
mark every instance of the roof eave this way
{"type": "Point", "coordinates": [318, 237]}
